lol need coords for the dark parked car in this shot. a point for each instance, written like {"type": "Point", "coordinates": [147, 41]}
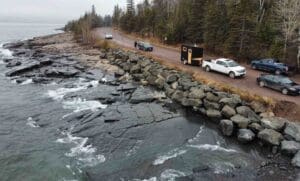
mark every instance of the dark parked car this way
{"type": "Point", "coordinates": [144, 46]}
{"type": "Point", "coordinates": [270, 65]}
{"type": "Point", "coordinates": [279, 83]}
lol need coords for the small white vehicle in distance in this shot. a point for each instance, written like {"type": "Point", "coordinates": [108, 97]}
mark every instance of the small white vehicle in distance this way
{"type": "Point", "coordinates": [225, 66]}
{"type": "Point", "coordinates": [108, 36]}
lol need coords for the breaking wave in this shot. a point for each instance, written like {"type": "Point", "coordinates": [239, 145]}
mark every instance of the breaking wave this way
{"type": "Point", "coordinates": [171, 154]}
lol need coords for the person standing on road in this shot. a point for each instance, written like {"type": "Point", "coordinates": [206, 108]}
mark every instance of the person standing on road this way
{"type": "Point", "coordinates": [135, 44]}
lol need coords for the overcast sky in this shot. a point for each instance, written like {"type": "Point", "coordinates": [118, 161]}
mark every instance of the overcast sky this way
{"type": "Point", "coordinates": [53, 11]}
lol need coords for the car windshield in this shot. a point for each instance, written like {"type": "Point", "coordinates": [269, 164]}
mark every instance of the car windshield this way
{"type": "Point", "coordinates": [147, 44]}
{"type": "Point", "coordinates": [286, 81]}
{"type": "Point", "coordinates": [232, 64]}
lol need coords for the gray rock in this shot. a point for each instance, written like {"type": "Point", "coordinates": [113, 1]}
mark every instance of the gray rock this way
{"type": "Point", "coordinates": [266, 114]}
{"type": "Point", "coordinates": [211, 113]}
{"type": "Point", "coordinates": [177, 96]}
{"type": "Point", "coordinates": [211, 105]}
{"type": "Point", "coordinates": [241, 121]}
{"type": "Point", "coordinates": [61, 72]}
{"type": "Point", "coordinates": [212, 97]}
{"type": "Point", "coordinates": [174, 85]}
{"type": "Point", "coordinates": [258, 107]}
{"type": "Point", "coordinates": [232, 102]}
{"type": "Point", "coordinates": [245, 135]}
{"type": "Point", "coordinates": [126, 87]}
{"type": "Point", "coordinates": [186, 83]}
{"type": "Point", "coordinates": [171, 78]}
{"type": "Point", "coordinates": [228, 111]}
{"type": "Point", "coordinates": [275, 123]}
{"type": "Point", "coordinates": [290, 147]}
{"type": "Point", "coordinates": [270, 136]}
{"type": "Point", "coordinates": [226, 127]}
{"type": "Point", "coordinates": [292, 130]}
{"type": "Point", "coordinates": [160, 82]}
{"type": "Point", "coordinates": [135, 69]}
{"type": "Point", "coordinates": [296, 160]}
{"type": "Point", "coordinates": [188, 102]}
{"type": "Point", "coordinates": [141, 95]}
{"type": "Point", "coordinates": [248, 113]}
{"type": "Point", "coordinates": [23, 69]}
{"type": "Point", "coordinates": [197, 93]}
{"type": "Point", "coordinates": [169, 91]}
{"type": "Point", "coordinates": [255, 127]}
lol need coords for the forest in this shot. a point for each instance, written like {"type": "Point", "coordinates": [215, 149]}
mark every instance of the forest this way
{"type": "Point", "coordinates": [242, 29]}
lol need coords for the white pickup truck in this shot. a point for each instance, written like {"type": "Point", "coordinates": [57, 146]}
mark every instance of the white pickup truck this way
{"type": "Point", "coordinates": [226, 66]}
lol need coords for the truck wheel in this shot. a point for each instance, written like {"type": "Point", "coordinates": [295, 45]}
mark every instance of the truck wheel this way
{"type": "Point", "coordinates": [277, 72]}
{"type": "Point", "coordinates": [284, 91]}
{"type": "Point", "coordinates": [261, 84]}
{"type": "Point", "coordinates": [207, 68]}
{"type": "Point", "coordinates": [254, 67]}
{"type": "Point", "coordinates": [231, 75]}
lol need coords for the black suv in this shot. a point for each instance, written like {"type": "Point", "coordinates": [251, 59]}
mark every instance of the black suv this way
{"type": "Point", "coordinates": [279, 83]}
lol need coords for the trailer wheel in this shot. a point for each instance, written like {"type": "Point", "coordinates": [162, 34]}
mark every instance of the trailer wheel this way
{"type": "Point", "coordinates": [207, 69]}
{"type": "Point", "coordinates": [185, 62]}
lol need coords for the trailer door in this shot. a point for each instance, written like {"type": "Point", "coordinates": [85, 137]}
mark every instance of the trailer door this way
{"type": "Point", "coordinates": [190, 52]}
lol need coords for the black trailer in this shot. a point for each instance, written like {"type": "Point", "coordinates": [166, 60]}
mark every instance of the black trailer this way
{"type": "Point", "coordinates": [191, 55]}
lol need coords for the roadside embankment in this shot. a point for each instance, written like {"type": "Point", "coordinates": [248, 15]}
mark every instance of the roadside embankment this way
{"type": "Point", "coordinates": [248, 122]}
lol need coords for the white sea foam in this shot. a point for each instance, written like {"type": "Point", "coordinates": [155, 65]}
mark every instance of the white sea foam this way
{"type": "Point", "coordinates": [171, 154]}
{"type": "Point", "coordinates": [59, 94]}
{"type": "Point", "coordinates": [223, 168]}
{"type": "Point", "coordinates": [5, 52]}
{"type": "Point", "coordinates": [171, 175]}
{"type": "Point", "coordinates": [167, 175]}
{"type": "Point", "coordinates": [150, 179]}
{"type": "Point", "coordinates": [28, 81]}
{"type": "Point", "coordinates": [32, 123]}
{"type": "Point", "coordinates": [82, 84]}
{"type": "Point", "coordinates": [78, 104]}
{"type": "Point", "coordinates": [198, 135]}
{"type": "Point", "coordinates": [212, 148]}
{"type": "Point", "coordinates": [85, 154]}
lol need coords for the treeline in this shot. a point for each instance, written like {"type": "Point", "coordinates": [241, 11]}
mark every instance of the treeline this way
{"type": "Point", "coordinates": [82, 28]}
{"type": "Point", "coordinates": [244, 29]}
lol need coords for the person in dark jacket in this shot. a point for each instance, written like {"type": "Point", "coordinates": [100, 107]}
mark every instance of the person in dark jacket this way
{"type": "Point", "coordinates": [135, 44]}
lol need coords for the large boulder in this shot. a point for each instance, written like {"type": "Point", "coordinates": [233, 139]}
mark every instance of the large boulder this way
{"type": "Point", "coordinates": [270, 136]}
{"type": "Point", "coordinates": [296, 160]}
{"type": "Point", "coordinates": [228, 111]}
{"type": "Point", "coordinates": [290, 147]}
{"type": "Point", "coordinates": [241, 121]}
{"type": "Point", "coordinates": [188, 102]}
{"type": "Point", "coordinates": [255, 127]}
{"type": "Point", "coordinates": [197, 93]}
{"type": "Point", "coordinates": [135, 69]}
{"type": "Point", "coordinates": [211, 105]}
{"type": "Point", "coordinates": [178, 96]}
{"type": "Point", "coordinates": [245, 135]}
{"type": "Point", "coordinates": [226, 127]}
{"type": "Point", "coordinates": [212, 97]}
{"type": "Point", "coordinates": [232, 102]}
{"type": "Point", "coordinates": [292, 131]}
{"type": "Point", "coordinates": [160, 82]}
{"type": "Point", "coordinates": [275, 123]}
{"type": "Point", "coordinates": [215, 114]}
{"type": "Point", "coordinates": [248, 113]}
{"type": "Point", "coordinates": [258, 107]}
{"type": "Point", "coordinates": [171, 78]}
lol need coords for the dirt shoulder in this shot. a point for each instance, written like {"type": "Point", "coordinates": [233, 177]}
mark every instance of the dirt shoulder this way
{"type": "Point", "coordinates": [246, 86]}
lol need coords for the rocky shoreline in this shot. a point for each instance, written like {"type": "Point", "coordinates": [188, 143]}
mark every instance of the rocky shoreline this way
{"type": "Point", "coordinates": [58, 57]}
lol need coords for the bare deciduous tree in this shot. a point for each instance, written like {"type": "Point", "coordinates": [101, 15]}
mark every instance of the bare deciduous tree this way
{"type": "Point", "coordinates": [288, 12]}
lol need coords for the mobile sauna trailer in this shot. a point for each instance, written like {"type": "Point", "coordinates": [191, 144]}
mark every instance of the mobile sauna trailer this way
{"type": "Point", "coordinates": [191, 55]}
